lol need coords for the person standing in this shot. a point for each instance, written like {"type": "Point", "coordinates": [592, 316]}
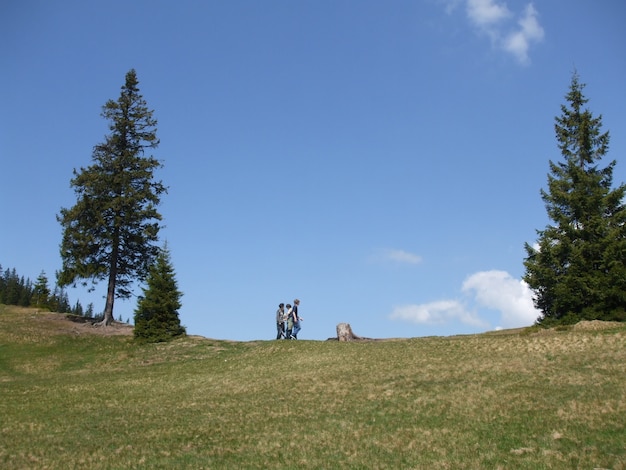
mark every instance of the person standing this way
{"type": "Point", "coordinates": [296, 319]}
{"type": "Point", "coordinates": [289, 324]}
{"type": "Point", "coordinates": [280, 321]}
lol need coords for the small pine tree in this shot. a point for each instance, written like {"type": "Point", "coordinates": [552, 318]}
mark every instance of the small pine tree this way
{"type": "Point", "coordinates": [156, 316]}
{"type": "Point", "coordinates": [13, 289]}
{"type": "Point", "coordinates": [78, 309]}
{"type": "Point", "coordinates": [26, 292]}
{"type": "Point", "coordinates": [89, 312]}
{"type": "Point", "coordinates": [41, 293]}
{"type": "Point", "coordinates": [54, 300]}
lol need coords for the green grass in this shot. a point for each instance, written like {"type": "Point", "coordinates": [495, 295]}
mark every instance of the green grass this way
{"type": "Point", "coordinates": [523, 400]}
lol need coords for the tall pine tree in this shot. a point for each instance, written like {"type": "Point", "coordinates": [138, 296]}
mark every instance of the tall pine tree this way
{"type": "Point", "coordinates": [156, 316]}
{"type": "Point", "coordinates": [111, 232]}
{"type": "Point", "coordinates": [577, 270]}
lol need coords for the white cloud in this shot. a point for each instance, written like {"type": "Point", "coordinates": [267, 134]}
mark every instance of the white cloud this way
{"type": "Point", "coordinates": [403, 256]}
{"type": "Point", "coordinates": [484, 13]}
{"type": "Point", "coordinates": [436, 313]}
{"type": "Point", "coordinates": [492, 18]}
{"type": "Point", "coordinates": [498, 290]}
{"type": "Point", "coordinates": [397, 256]}
{"type": "Point", "coordinates": [492, 290]}
{"type": "Point", "coordinates": [518, 42]}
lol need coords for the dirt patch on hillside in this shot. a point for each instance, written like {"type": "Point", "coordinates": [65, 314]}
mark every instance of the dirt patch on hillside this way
{"type": "Point", "coordinates": [595, 325]}
{"type": "Point", "coordinates": [72, 324]}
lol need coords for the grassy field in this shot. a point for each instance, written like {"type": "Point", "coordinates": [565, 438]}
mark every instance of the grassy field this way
{"type": "Point", "coordinates": [71, 399]}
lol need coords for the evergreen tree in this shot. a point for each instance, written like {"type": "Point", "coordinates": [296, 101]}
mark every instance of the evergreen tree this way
{"type": "Point", "coordinates": [41, 291]}
{"type": "Point", "coordinates": [63, 302]}
{"type": "Point", "coordinates": [156, 316]}
{"type": "Point", "coordinates": [111, 232]}
{"type": "Point", "coordinates": [578, 268]}
{"type": "Point", "coordinates": [13, 290]}
{"type": "Point", "coordinates": [54, 300]}
{"type": "Point", "coordinates": [89, 312]}
{"type": "Point", "coordinates": [78, 309]}
{"type": "Point", "coordinates": [26, 292]}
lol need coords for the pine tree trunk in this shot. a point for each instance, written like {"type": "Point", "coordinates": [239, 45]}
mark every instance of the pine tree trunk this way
{"type": "Point", "coordinates": [108, 307]}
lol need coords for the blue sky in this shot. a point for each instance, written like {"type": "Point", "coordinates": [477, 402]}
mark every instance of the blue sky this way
{"type": "Point", "coordinates": [381, 161]}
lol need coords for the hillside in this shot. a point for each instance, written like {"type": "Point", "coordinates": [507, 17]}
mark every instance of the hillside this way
{"type": "Point", "coordinates": [74, 396]}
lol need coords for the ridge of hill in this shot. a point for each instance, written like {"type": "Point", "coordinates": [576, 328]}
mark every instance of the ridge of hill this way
{"type": "Point", "coordinates": [62, 323]}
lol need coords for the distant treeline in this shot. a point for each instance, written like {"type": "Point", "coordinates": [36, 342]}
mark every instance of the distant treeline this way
{"type": "Point", "coordinates": [18, 290]}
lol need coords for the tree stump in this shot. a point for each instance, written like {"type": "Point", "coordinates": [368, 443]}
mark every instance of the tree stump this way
{"type": "Point", "coordinates": [344, 333]}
